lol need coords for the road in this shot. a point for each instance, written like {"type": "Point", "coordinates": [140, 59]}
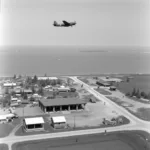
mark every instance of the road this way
{"type": "Point", "coordinates": [135, 123]}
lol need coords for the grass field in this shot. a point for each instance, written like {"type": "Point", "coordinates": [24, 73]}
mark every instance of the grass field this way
{"type": "Point", "coordinates": [3, 147]}
{"type": "Point", "coordinates": [141, 82]}
{"type": "Point", "coordinates": [49, 129]}
{"type": "Point", "coordinates": [129, 140]}
{"type": "Point", "coordinates": [102, 91]}
{"type": "Point", "coordinates": [142, 113]}
{"type": "Point", "coordinates": [5, 129]}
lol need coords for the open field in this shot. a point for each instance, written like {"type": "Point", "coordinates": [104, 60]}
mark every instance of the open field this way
{"type": "Point", "coordinates": [5, 129]}
{"type": "Point", "coordinates": [3, 147]}
{"type": "Point", "coordinates": [28, 111]}
{"type": "Point", "coordinates": [103, 91]}
{"type": "Point", "coordinates": [111, 141]}
{"type": "Point", "coordinates": [91, 117]}
{"type": "Point", "coordinates": [141, 82]}
{"type": "Point", "coordinates": [138, 109]}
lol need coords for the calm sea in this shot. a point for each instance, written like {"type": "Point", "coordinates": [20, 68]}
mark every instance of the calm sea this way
{"type": "Point", "coordinates": [72, 60]}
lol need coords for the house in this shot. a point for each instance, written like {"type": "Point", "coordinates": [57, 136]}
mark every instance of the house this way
{"type": "Point", "coordinates": [58, 122]}
{"type": "Point", "coordinates": [92, 99]}
{"type": "Point", "coordinates": [112, 88]}
{"type": "Point", "coordinates": [47, 78]}
{"type": "Point", "coordinates": [61, 104]}
{"type": "Point", "coordinates": [14, 99]}
{"type": "Point", "coordinates": [105, 84]}
{"type": "Point", "coordinates": [9, 84]}
{"type": "Point", "coordinates": [33, 124]}
{"type": "Point", "coordinates": [63, 89]}
{"type": "Point", "coordinates": [3, 119]}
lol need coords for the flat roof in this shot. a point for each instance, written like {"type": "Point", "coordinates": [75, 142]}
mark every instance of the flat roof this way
{"type": "Point", "coordinates": [59, 119]}
{"type": "Point", "coordinates": [37, 120]}
{"type": "Point", "coordinates": [45, 78]}
{"type": "Point", "coordinates": [104, 83]}
{"type": "Point", "coordinates": [61, 101]}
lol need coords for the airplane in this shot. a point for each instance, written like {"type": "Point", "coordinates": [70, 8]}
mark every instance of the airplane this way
{"type": "Point", "coordinates": [64, 24]}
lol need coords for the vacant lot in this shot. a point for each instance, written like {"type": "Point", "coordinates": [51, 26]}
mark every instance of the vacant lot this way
{"type": "Point", "coordinates": [28, 111]}
{"type": "Point", "coordinates": [3, 147]}
{"type": "Point", "coordinates": [141, 82]}
{"type": "Point", "coordinates": [111, 141]}
{"type": "Point", "coordinates": [5, 129]}
{"type": "Point", "coordinates": [140, 110]}
{"type": "Point", "coordinates": [102, 91]}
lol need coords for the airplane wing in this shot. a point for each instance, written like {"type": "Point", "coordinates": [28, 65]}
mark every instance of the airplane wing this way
{"type": "Point", "coordinates": [65, 22]}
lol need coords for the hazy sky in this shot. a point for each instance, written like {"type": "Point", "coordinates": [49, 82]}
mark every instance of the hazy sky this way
{"type": "Point", "coordinates": [99, 22]}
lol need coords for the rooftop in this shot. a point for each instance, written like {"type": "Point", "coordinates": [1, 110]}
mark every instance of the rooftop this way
{"type": "Point", "coordinates": [45, 78]}
{"type": "Point", "coordinates": [61, 101]}
{"type": "Point", "coordinates": [104, 83]}
{"type": "Point", "coordinates": [58, 119]}
{"type": "Point", "coordinates": [37, 120]}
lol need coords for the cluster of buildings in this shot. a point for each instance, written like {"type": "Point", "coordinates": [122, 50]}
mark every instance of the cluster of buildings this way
{"type": "Point", "coordinates": [62, 102]}
{"type": "Point", "coordinates": [38, 123]}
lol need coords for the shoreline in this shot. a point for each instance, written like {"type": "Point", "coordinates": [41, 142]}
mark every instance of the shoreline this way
{"type": "Point", "coordinates": [87, 74]}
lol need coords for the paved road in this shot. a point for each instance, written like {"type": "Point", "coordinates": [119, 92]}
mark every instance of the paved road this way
{"type": "Point", "coordinates": [135, 123]}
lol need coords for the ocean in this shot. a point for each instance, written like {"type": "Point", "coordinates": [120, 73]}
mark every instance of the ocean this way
{"type": "Point", "coordinates": [72, 60]}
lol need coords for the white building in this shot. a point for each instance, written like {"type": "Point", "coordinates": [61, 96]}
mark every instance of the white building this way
{"type": "Point", "coordinates": [33, 124]}
{"type": "Point", "coordinates": [9, 84]}
{"type": "Point", "coordinates": [58, 122]}
{"type": "Point", "coordinates": [46, 78]}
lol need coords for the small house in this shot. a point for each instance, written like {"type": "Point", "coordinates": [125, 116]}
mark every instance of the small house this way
{"type": "Point", "coordinates": [33, 124]}
{"type": "Point", "coordinates": [58, 122]}
{"type": "Point", "coordinates": [112, 88]}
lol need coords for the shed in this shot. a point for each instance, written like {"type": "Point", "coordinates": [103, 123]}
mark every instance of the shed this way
{"type": "Point", "coordinates": [31, 124]}
{"type": "Point", "coordinates": [58, 122]}
{"type": "Point", "coordinates": [112, 88]}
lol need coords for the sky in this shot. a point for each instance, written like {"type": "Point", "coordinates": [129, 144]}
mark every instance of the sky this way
{"type": "Point", "coordinates": [99, 22]}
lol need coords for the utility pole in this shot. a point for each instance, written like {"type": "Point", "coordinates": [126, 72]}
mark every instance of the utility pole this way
{"type": "Point", "coordinates": [74, 122]}
{"type": "Point", "coordinates": [146, 140]}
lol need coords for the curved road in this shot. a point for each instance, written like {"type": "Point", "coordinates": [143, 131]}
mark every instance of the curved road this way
{"type": "Point", "coordinates": [135, 123]}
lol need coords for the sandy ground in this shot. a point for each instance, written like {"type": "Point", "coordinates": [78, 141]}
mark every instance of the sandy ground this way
{"type": "Point", "coordinates": [29, 111]}
{"type": "Point", "coordinates": [127, 101]}
{"type": "Point", "coordinates": [92, 115]}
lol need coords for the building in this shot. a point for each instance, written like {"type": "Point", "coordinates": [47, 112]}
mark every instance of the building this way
{"type": "Point", "coordinates": [58, 122]}
{"type": "Point", "coordinates": [9, 84]}
{"type": "Point", "coordinates": [61, 104]}
{"type": "Point", "coordinates": [27, 91]}
{"type": "Point", "coordinates": [47, 78]}
{"type": "Point", "coordinates": [3, 119]}
{"type": "Point", "coordinates": [63, 89]}
{"type": "Point", "coordinates": [105, 84]}
{"type": "Point", "coordinates": [33, 124]}
{"type": "Point", "coordinates": [113, 88]}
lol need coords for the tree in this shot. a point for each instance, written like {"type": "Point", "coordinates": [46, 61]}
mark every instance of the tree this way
{"type": "Point", "coordinates": [14, 76]}
{"type": "Point", "coordinates": [137, 94]}
{"type": "Point", "coordinates": [20, 76]}
{"type": "Point", "coordinates": [45, 75]}
{"type": "Point", "coordinates": [32, 99]}
{"type": "Point", "coordinates": [134, 92]}
{"type": "Point", "coordinates": [68, 81]}
{"type": "Point", "coordinates": [25, 96]}
{"type": "Point", "coordinates": [148, 96]}
{"type": "Point", "coordinates": [6, 100]}
{"type": "Point", "coordinates": [33, 90]}
{"type": "Point", "coordinates": [40, 91]}
{"type": "Point", "coordinates": [35, 79]}
{"type": "Point", "coordinates": [53, 82]}
{"type": "Point", "coordinates": [59, 81]}
{"type": "Point", "coordinates": [6, 90]}
{"type": "Point", "coordinates": [128, 94]}
{"type": "Point", "coordinates": [143, 94]}
{"type": "Point", "coordinates": [128, 80]}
